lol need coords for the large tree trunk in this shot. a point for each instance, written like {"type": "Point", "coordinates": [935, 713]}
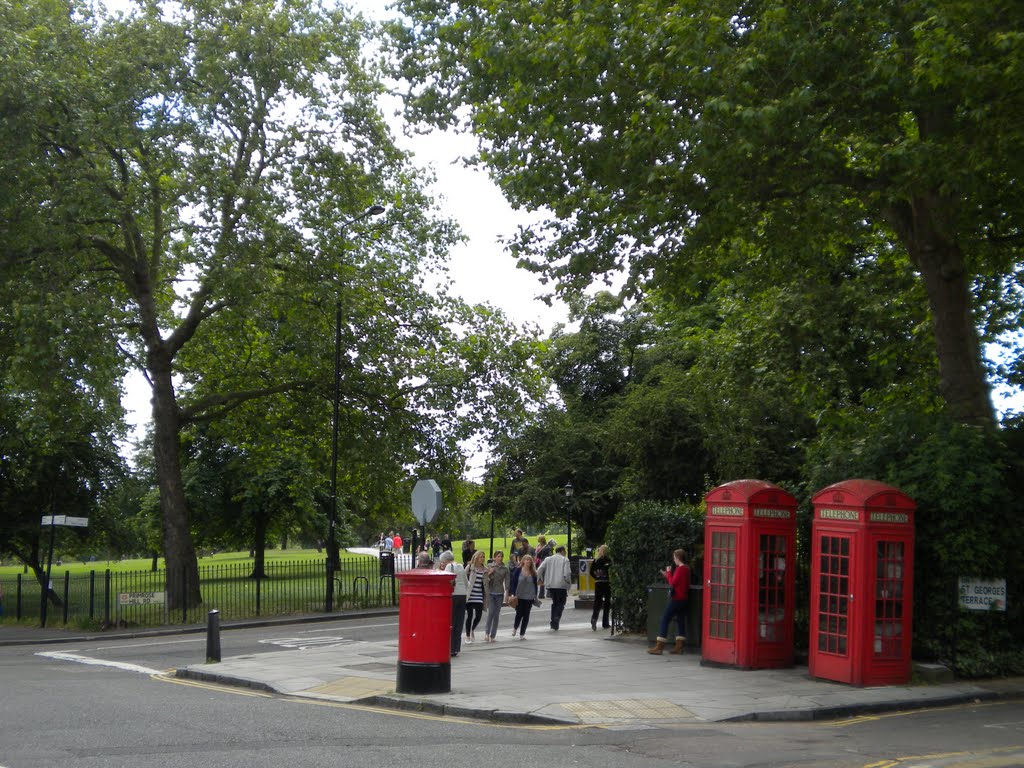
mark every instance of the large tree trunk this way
{"type": "Point", "coordinates": [179, 553]}
{"type": "Point", "coordinates": [937, 255]}
{"type": "Point", "coordinates": [259, 545]}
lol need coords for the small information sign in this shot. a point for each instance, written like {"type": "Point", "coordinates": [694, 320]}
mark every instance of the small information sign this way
{"type": "Point", "coordinates": [141, 598]}
{"type": "Point", "coordinates": [982, 594]}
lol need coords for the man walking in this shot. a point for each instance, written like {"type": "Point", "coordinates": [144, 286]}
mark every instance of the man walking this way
{"type": "Point", "coordinates": [555, 574]}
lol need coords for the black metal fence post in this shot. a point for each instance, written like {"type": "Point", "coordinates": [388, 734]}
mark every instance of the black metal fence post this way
{"type": "Point", "coordinates": [106, 597]}
{"type": "Point", "coordinates": [67, 594]}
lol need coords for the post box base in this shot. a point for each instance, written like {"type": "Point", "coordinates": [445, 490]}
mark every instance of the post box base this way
{"type": "Point", "coordinates": [423, 678]}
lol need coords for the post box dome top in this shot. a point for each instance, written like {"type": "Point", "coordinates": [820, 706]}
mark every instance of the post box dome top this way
{"type": "Point", "coordinates": [863, 493]}
{"type": "Point", "coordinates": [760, 491]}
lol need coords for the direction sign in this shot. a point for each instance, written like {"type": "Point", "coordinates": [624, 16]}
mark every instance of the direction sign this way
{"type": "Point", "coordinates": [79, 522]}
{"type": "Point", "coordinates": [426, 501]}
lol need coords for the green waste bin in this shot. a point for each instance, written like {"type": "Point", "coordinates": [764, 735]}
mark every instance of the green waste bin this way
{"type": "Point", "coordinates": [657, 599]}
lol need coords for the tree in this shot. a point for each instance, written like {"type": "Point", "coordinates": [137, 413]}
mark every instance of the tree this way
{"type": "Point", "coordinates": [194, 168]}
{"type": "Point", "coordinates": [688, 141]}
{"type": "Point", "coordinates": [60, 411]}
{"type": "Point", "coordinates": [624, 427]}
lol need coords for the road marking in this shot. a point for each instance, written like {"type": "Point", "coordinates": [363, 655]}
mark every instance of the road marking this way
{"type": "Point", "coordinates": [304, 643]}
{"type": "Point", "coordinates": [982, 758]}
{"type": "Point", "coordinates": [354, 626]}
{"type": "Point", "coordinates": [212, 686]}
{"type": "Point", "coordinates": [63, 656]}
{"type": "Point", "coordinates": [146, 645]}
{"type": "Point", "coordinates": [363, 707]}
{"type": "Point", "coordinates": [857, 720]}
{"type": "Point", "coordinates": [1016, 724]}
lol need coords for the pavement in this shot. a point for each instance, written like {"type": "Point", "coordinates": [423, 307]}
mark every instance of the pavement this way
{"type": "Point", "coordinates": [590, 679]}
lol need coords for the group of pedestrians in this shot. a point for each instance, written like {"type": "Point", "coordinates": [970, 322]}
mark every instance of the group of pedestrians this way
{"type": "Point", "coordinates": [484, 587]}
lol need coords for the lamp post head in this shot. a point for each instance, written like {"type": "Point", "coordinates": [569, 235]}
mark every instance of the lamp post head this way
{"type": "Point", "coordinates": [375, 210]}
{"type": "Point", "coordinates": [568, 490]}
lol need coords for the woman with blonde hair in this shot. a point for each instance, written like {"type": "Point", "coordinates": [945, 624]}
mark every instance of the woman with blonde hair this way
{"type": "Point", "coordinates": [524, 592]}
{"type": "Point", "coordinates": [475, 573]}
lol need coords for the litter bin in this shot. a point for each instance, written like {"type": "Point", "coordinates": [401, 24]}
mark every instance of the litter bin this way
{"type": "Point", "coordinates": [657, 599]}
{"type": "Point", "coordinates": [387, 563]}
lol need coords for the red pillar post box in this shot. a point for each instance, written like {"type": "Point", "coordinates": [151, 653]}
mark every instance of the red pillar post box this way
{"type": "Point", "coordinates": [749, 559]}
{"type": "Point", "coordinates": [862, 565]}
{"type": "Point", "coordinates": [424, 631]}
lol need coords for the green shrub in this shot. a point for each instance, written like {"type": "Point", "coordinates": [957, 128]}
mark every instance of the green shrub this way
{"type": "Point", "coordinates": [641, 539]}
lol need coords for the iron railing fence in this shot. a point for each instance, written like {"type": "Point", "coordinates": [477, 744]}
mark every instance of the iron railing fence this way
{"type": "Point", "coordinates": [139, 598]}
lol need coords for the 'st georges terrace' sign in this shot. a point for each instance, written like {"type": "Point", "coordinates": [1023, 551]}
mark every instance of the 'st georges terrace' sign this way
{"type": "Point", "coordinates": [982, 595]}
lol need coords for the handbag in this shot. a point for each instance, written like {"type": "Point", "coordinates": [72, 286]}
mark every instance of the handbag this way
{"type": "Point", "coordinates": [513, 601]}
{"type": "Point", "coordinates": [537, 602]}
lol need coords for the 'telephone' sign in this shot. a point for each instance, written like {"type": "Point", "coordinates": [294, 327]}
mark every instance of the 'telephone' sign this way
{"type": "Point", "coordinates": [982, 595]}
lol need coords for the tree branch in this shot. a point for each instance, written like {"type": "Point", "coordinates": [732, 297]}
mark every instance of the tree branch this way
{"type": "Point", "coordinates": [215, 406]}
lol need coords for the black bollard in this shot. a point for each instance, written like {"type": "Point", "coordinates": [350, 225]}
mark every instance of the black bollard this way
{"type": "Point", "coordinates": [213, 637]}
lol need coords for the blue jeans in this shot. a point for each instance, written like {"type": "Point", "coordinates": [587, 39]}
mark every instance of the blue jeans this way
{"type": "Point", "coordinates": [675, 609]}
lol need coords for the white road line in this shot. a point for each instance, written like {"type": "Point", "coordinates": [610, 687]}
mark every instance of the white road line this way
{"type": "Point", "coordinates": [348, 626]}
{"type": "Point", "coordinates": [146, 645]}
{"type": "Point", "coordinates": [62, 656]}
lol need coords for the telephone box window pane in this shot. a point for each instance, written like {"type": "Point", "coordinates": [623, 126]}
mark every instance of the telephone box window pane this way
{"type": "Point", "coordinates": [722, 590]}
{"type": "Point", "coordinates": [771, 587]}
{"type": "Point", "coordinates": [834, 598]}
{"type": "Point", "coordinates": [889, 572]}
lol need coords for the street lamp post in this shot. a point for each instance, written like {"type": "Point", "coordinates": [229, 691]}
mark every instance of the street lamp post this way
{"type": "Point", "coordinates": [332, 513]}
{"type": "Point", "coordinates": [568, 519]}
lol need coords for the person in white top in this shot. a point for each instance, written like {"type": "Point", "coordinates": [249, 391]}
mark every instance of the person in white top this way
{"type": "Point", "coordinates": [447, 563]}
{"type": "Point", "coordinates": [555, 574]}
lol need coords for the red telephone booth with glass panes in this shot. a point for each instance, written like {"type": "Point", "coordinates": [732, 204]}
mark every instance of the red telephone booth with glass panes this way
{"type": "Point", "coordinates": [862, 564]}
{"type": "Point", "coordinates": [749, 558]}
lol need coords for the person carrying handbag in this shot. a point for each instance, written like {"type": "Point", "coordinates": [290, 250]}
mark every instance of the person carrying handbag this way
{"type": "Point", "coordinates": [524, 592]}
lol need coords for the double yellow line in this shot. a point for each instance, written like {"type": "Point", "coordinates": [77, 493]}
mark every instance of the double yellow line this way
{"type": "Point", "coordinates": [169, 678]}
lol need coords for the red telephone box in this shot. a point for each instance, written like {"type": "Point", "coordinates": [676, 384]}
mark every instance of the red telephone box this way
{"type": "Point", "coordinates": [749, 558]}
{"type": "Point", "coordinates": [862, 565]}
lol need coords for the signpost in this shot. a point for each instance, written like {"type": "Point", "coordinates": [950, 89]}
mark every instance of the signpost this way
{"type": "Point", "coordinates": [53, 521]}
{"type": "Point", "coordinates": [982, 594]}
{"type": "Point", "coordinates": [426, 503]}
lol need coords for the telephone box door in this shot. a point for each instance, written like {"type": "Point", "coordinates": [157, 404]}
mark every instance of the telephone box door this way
{"type": "Point", "coordinates": [833, 643]}
{"type": "Point", "coordinates": [719, 641]}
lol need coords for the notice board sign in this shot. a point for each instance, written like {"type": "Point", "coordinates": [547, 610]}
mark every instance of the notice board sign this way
{"type": "Point", "coordinates": [141, 598]}
{"type": "Point", "coordinates": [982, 594]}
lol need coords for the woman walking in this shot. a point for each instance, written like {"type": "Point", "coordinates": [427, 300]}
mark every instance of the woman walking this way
{"type": "Point", "coordinates": [600, 571]}
{"type": "Point", "coordinates": [524, 592]}
{"type": "Point", "coordinates": [475, 574]}
{"type": "Point", "coordinates": [678, 577]}
{"type": "Point", "coordinates": [496, 586]}
{"type": "Point", "coordinates": [447, 564]}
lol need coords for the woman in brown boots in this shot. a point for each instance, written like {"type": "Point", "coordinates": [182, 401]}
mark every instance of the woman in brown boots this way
{"type": "Point", "coordinates": [678, 577]}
